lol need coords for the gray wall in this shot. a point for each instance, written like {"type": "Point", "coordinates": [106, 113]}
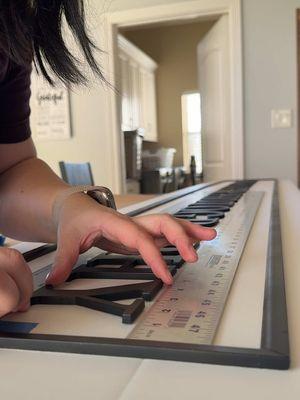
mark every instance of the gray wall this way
{"type": "Point", "coordinates": [269, 29]}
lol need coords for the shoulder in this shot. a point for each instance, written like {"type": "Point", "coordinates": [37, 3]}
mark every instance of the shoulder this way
{"type": "Point", "coordinates": [10, 69]}
{"type": "Point", "coordinates": [14, 100]}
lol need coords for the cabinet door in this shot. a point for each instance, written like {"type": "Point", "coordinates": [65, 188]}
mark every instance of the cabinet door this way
{"type": "Point", "coordinates": [138, 92]}
{"type": "Point", "coordinates": [148, 105]}
{"type": "Point", "coordinates": [135, 93]}
{"type": "Point", "coordinates": [127, 113]}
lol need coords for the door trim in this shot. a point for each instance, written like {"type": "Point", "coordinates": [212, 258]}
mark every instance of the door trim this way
{"type": "Point", "coordinates": [162, 13]}
{"type": "Point", "coordinates": [298, 93]}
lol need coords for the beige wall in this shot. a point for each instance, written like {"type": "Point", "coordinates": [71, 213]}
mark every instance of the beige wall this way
{"type": "Point", "coordinates": [174, 49]}
{"type": "Point", "coordinates": [91, 134]}
{"type": "Point", "coordinates": [89, 142]}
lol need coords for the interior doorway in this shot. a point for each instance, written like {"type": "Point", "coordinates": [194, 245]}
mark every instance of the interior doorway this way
{"type": "Point", "coordinates": [160, 96]}
{"type": "Point", "coordinates": [185, 13]}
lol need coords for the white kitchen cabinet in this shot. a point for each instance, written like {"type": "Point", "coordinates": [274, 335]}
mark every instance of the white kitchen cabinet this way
{"type": "Point", "coordinates": [134, 79]}
{"type": "Point", "coordinates": [126, 93]}
{"type": "Point", "coordinates": [138, 89]}
{"type": "Point", "coordinates": [148, 101]}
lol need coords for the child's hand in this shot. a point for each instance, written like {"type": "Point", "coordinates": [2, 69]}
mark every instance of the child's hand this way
{"type": "Point", "coordinates": [15, 282]}
{"type": "Point", "coordinates": [83, 223]}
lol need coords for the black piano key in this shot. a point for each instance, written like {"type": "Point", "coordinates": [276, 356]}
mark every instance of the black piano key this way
{"type": "Point", "coordinates": [172, 250]}
{"type": "Point", "coordinates": [103, 299]}
{"type": "Point", "coordinates": [213, 204]}
{"type": "Point", "coordinates": [39, 252]}
{"type": "Point", "coordinates": [187, 212]}
{"type": "Point", "coordinates": [208, 207]}
{"type": "Point", "coordinates": [185, 216]}
{"type": "Point", "coordinates": [210, 223]}
{"type": "Point", "coordinates": [123, 272]}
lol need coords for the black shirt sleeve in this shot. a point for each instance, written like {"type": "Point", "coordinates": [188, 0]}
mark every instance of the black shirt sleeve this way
{"type": "Point", "coordinates": [14, 102]}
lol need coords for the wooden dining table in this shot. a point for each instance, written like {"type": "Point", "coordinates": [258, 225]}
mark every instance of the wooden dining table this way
{"type": "Point", "coordinates": [124, 200]}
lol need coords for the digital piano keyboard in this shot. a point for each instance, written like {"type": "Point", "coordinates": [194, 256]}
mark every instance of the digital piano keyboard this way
{"type": "Point", "coordinates": [227, 308]}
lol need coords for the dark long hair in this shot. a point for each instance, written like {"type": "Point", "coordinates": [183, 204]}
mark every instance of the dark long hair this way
{"type": "Point", "coordinates": [32, 30]}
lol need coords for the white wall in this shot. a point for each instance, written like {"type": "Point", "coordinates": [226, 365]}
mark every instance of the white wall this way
{"type": "Point", "coordinates": [270, 82]}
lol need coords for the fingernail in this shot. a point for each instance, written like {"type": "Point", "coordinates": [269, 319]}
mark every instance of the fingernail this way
{"type": "Point", "coordinates": [169, 278]}
{"type": "Point", "coordinates": [214, 232]}
{"type": "Point", "coordinates": [47, 276]}
{"type": "Point", "coordinates": [193, 253]}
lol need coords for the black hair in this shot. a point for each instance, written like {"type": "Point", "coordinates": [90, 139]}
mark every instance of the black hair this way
{"type": "Point", "coordinates": [31, 30]}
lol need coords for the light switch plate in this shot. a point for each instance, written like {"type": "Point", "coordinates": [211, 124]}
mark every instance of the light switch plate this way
{"type": "Point", "coordinates": [281, 118]}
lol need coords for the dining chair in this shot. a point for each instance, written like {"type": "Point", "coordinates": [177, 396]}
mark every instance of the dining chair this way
{"type": "Point", "coordinates": [76, 173]}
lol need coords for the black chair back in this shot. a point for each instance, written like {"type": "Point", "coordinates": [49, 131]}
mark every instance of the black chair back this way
{"type": "Point", "coordinates": [76, 173]}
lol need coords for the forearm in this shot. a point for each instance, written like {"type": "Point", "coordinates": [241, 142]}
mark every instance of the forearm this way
{"type": "Point", "coordinates": [27, 193]}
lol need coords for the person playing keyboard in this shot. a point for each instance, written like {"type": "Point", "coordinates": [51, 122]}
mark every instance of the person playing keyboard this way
{"type": "Point", "coordinates": [35, 204]}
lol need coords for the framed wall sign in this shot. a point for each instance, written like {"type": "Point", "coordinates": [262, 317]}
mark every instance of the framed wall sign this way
{"type": "Point", "coordinates": [50, 110]}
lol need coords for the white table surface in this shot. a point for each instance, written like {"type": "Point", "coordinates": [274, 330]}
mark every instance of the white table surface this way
{"type": "Point", "coordinates": [40, 375]}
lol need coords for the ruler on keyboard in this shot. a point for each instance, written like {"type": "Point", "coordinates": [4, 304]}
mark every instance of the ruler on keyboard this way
{"type": "Point", "coordinates": [190, 310]}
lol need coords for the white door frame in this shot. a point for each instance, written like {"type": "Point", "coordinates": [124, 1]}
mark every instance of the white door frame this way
{"type": "Point", "coordinates": [171, 12]}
